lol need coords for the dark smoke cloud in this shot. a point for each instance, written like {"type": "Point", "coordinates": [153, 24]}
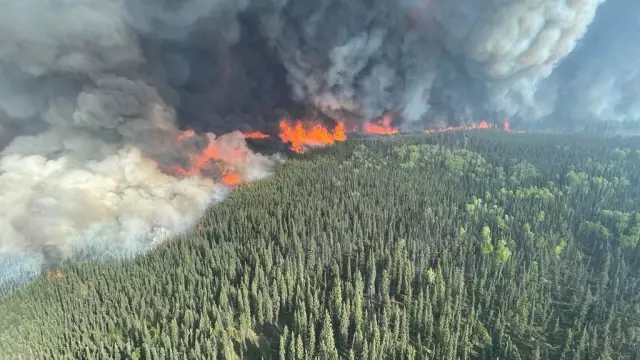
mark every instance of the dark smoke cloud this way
{"type": "Point", "coordinates": [85, 124]}
{"type": "Point", "coordinates": [427, 59]}
{"type": "Point", "coordinates": [94, 92]}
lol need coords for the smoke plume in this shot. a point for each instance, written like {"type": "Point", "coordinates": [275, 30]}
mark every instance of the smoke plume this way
{"type": "Point", "coordinates": [95, 94]}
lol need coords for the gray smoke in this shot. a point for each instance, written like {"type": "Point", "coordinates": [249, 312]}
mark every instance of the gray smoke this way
{"type": "Point", "coordinates": [601, 80]}
{"type": "Point", "coordinates": [423, 60]}
{"type": "Point", "coordinates": [94, 93]}
{"type": "Point", "coordinates": [86, 137]}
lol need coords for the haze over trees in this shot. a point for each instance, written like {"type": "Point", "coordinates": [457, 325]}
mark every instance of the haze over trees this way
{"type": "Point", "coordinates": [468, 245]}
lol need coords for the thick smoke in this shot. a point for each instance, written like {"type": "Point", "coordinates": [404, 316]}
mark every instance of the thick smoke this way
{"type": "Point", "coordinates": [601, 80]}
{"type": "Point", "coordinates": [423, 60]}
{"type": "Point", "coordinates": [87, 135]}
{"type": "Point", "coordinates": [94, 93]}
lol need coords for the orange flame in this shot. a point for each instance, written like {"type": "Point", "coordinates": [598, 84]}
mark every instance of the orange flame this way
{"type": "Point", "coordinates": [383, 128]}
{"type": "Point", "coordinates": [185, 135]}
{"type": "Point", "coordinates": [54, 274]}
{"type": "Point", "coordinates": [231, 179]}
{"type": "Point", "coordinates": [339, 133]}
{"type": "Point", "coordinates": [211, 155]}
{"type": "Point", "coordinates": [255, 135]}
{"type": "Point", "coordinates": [482, 125]}
{"type": "Point", "coordinates": [301, 136]}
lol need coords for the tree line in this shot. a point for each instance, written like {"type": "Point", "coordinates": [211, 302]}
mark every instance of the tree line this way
{"type": "Point", "coordinates": [469, 245]}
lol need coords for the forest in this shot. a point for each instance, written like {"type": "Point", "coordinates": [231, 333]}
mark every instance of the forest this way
{"type": "Point", "coordinates": [476, 244]}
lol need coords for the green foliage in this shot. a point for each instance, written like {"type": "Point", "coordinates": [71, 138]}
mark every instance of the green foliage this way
{"type": "Point", "coordinates": [577, 180]}
{"type": "Point", "coordinates": [486, 233]}
{"type": "Point", "coordinates": [560, 247]}
{"type": "Point", "coordinates": [523, 172]}
{"type": "Point", "coordinates": [407, 247]}
{"type": "Point", "coordinates": [502, 252]}
{"type": "Point", "coordinates": [621, 226]}
{"type": "Point", "coordinates": [487, 245]}
{"type": "Point", "coordinates": [455, 162]}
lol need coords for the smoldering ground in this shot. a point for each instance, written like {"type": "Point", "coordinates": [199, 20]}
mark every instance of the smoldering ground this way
{"type": "Point", "coordinates": [94, 93]}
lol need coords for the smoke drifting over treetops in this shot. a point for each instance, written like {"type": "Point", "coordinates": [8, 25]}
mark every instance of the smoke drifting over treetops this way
{"type": "Point", "coordinates": [93, 94]}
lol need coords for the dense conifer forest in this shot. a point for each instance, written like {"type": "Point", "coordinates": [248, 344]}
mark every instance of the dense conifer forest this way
{"type": "Point", "coordinates": [467, 245]}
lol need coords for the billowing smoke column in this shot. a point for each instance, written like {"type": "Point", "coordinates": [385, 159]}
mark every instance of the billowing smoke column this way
{"type": "Point", "coordinates": [427, 60]}
{"type": "Point", "coordinates": [94, 95]}
{"type": "Point", "coordinates": [87, 139]}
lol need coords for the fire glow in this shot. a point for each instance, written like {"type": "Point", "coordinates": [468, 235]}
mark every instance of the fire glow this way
{"type": "Point", "coordinates": [211, 156]}
{"type": "Point", "coordinates": [300, 135]}
{"type": "Point", "coordinates": [481, 125]}
{"type": "Point", "coordinates": [382, 128]}
{"type": "Point", "coordinates": [304, 135]}
{"type": "Point", "coordinates": [255, 135]}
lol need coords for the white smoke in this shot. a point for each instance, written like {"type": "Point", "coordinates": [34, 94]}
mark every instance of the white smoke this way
{"type": "Point", "coordinates": [85, 137]}
{"type": "Point", "coordinates": [512, 46]}
{"type": "Point", "coordinates": [93, 94]}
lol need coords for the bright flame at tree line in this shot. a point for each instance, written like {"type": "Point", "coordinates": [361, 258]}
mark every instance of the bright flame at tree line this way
{"type": "Point", "coordinates": [382, 128]}
{"type": "Point", "coordinates": [300, 135]}
{"type": "Point", "coordinates": [481, 125]}
{"type": "Point", "coordinates": [210, 156]}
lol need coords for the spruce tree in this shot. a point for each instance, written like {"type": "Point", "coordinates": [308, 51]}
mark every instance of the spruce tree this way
{"type": "Point", "coordinates": [327, 346]}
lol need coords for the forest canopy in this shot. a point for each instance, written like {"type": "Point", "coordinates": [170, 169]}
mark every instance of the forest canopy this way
{"type": "Point", "coordinates": [465, 245]}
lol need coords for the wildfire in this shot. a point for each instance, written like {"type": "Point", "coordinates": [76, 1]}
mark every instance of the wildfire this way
{"type": "Point", "coordinates": [185, 135]}
{"type": "Point", "coordinates": [481, 125]}
{"type": "Point", "coordinates": [54, 274]}
{"type": "Point", "coordinates": [211, 155]}
{"type": "Point", "coordinates": [231, 179]}
{"type": "Point", "coordinates": [302, 135]}
{"type": "Point", "coordinates": [255, 135]}
{"type": "Point", "coordinates": [382, 128]}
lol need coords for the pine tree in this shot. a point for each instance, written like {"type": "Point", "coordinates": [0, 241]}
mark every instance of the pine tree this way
{"type": "Point", "coordinates": [291, 353]}
{"type": "Point", "coordinates": [606, 349]}
{"type": "Point", "coordinates": [358, 303]}
{"type": "Point", "coordinates": [365, 351]}
{"type": "Point", "coordinates": [299, 348]}
{"type": "Point", "coordinates": [352, 355]}
{"type": "Point", "coordinates": [228, 353]}
{"type": "Point", "coordinates": [311, 339]}
{"type": "Point", "coordinates": [283, 343]}
{"type": "Point", "coordinates": [344, 327]}
{"type": "Point", "coordinates": [336, 294]}
{"type": "Point", "coordinates": [327, 347]}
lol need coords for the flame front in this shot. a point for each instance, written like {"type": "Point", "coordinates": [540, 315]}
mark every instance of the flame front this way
{"type": "Point", "coordinates": [212, 156]}
{"type": "Point", "coordinates": [303, 135]}
{"type": "Point", "coordinates": [255, 135]}
{"type": "Point", "coordinates": [382, 128]}
{"type": "Point", "coordinates": [232, 179]}
{"type": "Point", "coordinates": [481, 125]}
